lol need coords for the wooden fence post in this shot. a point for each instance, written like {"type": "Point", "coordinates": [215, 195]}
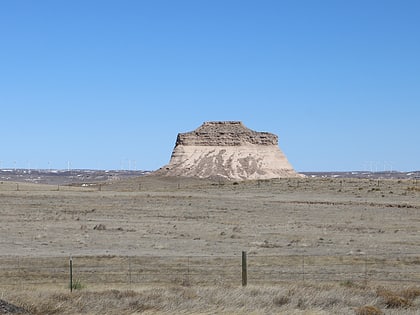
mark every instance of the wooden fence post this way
{"type": "Point", "coordinates": [129, 271]}
{"type": "Point", "coordinates": [244, 270]}
{"type": "Point", "coordinates": [188, 271]}
{"type": "Point", "coordinates": [71, 274]}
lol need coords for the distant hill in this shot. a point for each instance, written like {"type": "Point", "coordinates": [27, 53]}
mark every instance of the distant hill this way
{"type": "Point", "coordinates": [366, 174]}
{"type": "Point", "coordinates": [66, 177]}
{"type": "Point", "coordinates": [63, 177]}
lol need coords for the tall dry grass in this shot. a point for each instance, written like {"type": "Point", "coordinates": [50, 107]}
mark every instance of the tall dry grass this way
{"type": "Point", "coordinates": [282, 299]}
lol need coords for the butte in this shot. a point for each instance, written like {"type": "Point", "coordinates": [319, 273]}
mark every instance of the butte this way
{"type": "Point", "coordinates": [229, 150]}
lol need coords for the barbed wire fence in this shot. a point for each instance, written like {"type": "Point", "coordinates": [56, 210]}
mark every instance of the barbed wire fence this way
{"type": "Point", "coordinates": [128, 272]}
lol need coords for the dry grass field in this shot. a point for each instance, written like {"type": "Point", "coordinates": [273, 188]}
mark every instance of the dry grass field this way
{"type": "Point", "coordinates": [168, 246]}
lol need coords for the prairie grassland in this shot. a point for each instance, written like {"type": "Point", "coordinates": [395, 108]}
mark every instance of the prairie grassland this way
{"type": "Point", "coordinates": [171, 245]}
{"type": "Point", "coordinates": [308, 298]}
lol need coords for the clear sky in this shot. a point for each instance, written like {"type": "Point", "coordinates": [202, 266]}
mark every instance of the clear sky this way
{"type": "Point", "coordinates": [109, 84]}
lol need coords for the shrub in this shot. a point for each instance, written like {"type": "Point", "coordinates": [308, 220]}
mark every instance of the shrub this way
{"type": "Point", "coordinates": [77, 285]}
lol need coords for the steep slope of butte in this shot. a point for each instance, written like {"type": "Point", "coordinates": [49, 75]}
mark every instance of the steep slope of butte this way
{"type": "Point", "coordinates": [228, 150]}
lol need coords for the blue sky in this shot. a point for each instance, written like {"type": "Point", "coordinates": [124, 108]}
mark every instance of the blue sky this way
{"type": "Point", "coordinates": [102, 83]}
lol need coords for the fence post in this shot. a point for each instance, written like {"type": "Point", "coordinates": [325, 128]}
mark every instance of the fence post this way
{"type": "Point", "coordinates": [129, 271]}
{"type": "Point", "coordinates": [244, 270]}
{"type": "Point", "coordinates": [188, 271]}
{"type": "Point", "coordinates": [71, 274]}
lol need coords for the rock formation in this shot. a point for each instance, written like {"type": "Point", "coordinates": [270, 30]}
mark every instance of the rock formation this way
{"type": "Point", "coordinates": [228, 150]}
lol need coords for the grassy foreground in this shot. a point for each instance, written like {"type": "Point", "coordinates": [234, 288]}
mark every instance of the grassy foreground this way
{"type": "Point", "coordinates": [310, 298]}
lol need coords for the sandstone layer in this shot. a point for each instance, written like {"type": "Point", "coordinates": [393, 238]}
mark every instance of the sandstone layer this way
{"type": "Point", "coordinates": [227, 150]}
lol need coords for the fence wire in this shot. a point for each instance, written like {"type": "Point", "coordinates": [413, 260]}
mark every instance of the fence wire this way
{"type": "Point", "coordinates": [205, 270]}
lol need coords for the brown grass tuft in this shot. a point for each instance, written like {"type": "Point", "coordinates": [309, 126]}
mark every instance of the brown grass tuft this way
{"type": "Point", "coordinates": [392, 299]}
{"type": "Point", "coordinates": [281, 300]}
{"type": "Point", "coordinates": [410, 293]}
{"type": "Point", "coordinates": [368, 310]}
{"type": "Point", "coordinates": [413, 188]}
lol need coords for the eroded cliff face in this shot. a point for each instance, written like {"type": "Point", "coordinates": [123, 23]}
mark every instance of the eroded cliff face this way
{"type": "Point", "coordinates": [227, 150]}
{"type": "Point", "coordinates": [225, 133]}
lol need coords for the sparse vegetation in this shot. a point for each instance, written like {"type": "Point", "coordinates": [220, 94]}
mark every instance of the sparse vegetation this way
{"type": "Point", "coordinates": [368, 310]}
{"type": "Point", "coordinates": [414, 188]}
{"type": "Point", "coordinates": [77, 285]}
{"type": "Point", "coordinates": [410, 293]}
{"type": "Point", "coordinates": [305, 222]}
{"type": "Point", "coordinates": [312, 298]}
{"type": "Point", "coordinates": [348, 283]}
{"type": "Point", "coordinates": [393, 299]}
{"type": "Point", "coordinates": [281, 300]}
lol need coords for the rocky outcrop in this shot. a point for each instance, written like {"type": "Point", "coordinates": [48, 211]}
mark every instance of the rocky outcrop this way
{"type": "Point", "coordinates": [225, 133]}
{"type": "Point", "coordinates": [228, 150]}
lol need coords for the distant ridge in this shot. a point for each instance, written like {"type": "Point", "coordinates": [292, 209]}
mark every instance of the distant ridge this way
{"type": "Point", "coordinates": [82, 176]}
{"type": "Point", "coordinates": [227, 149]}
